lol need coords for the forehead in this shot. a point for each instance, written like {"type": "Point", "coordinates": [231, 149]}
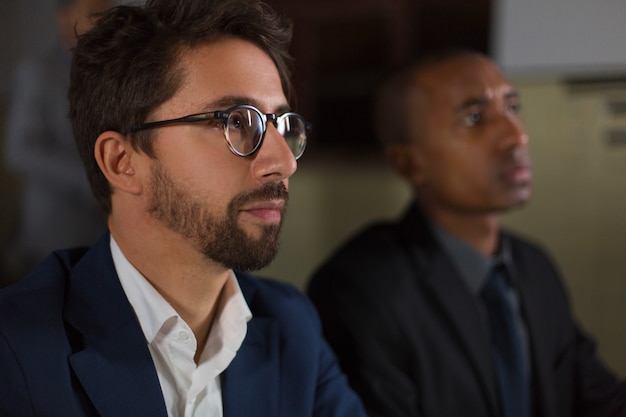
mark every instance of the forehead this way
{"type": "Point", "coordinates": [464, 78]}
{"type": "Point", "coordinates": [224, 68]}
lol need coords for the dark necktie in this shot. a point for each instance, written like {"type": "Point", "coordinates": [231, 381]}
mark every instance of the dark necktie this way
{"type": "Point", "coordinates": [508, 350]}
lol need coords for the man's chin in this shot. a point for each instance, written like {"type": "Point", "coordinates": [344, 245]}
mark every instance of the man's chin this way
{"type": "Point", "coordinates": [256, 253]}
{"type": "Point", "coordinates": [254, 261]}
{"type": "Point", "coordinates": [258, 232]}
{"type": "Point", "coordinates": [516, 203]}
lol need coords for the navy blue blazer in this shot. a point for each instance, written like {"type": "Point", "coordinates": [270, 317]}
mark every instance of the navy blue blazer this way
{"type": "Point", "coordinates": [70, 345]}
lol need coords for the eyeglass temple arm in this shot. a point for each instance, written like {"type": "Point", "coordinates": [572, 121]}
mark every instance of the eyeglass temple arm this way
{"type": "Point", "coordinates": [200, 117]}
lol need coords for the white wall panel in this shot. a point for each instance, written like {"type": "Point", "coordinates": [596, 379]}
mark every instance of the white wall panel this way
{"type": "Point", "coordinates": [560, 37]}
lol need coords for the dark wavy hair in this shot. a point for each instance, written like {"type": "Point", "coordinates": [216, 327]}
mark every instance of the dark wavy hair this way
{"type": "Point", "coordinates": [127, 65]}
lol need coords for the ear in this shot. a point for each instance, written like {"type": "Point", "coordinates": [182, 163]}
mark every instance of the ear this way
{"type": "Point", "coordinates": [406, 161]}
{"type": "Point", "coordinates": [117, 159]}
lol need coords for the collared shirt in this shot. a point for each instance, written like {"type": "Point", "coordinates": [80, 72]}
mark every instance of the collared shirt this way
{"type": "Point", "coordinates": [188, 389]}
{"type": "Point", "coordinates": [475, 267]}
{"type": "Point", "coordinates": [472, 265]}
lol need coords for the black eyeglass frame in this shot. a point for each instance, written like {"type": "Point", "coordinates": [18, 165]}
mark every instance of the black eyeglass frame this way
{"type": "Point", "coordinates": [223, 116]}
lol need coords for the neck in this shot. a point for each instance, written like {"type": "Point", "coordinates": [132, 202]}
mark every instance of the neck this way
{"type": "Point", "coordinates": [478, 230]}
{"type": "Point", "coordinates": [190, 282]}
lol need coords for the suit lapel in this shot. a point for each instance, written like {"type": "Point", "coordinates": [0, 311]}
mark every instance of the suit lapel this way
{"type": "Point", "coordinates": [538, 333]}
{"type": "Point", "coordinates": [250, 384]}
{"type": "Point", "coordinates": [459, 304]}
{"type": "Point", "coordinates": [111, 360]}
{"type": "Point", "coordinates": [466, 323]}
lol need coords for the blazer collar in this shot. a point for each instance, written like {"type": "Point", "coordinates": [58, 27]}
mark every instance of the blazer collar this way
{"type": "Point", "coordinates": [444, 281]}
{"type": "Point", "coordinates": [447, 286]}
{"type": "Point", "coordinates": [251, 383]}
{"type": "Point", "coordinates": [112, 361]}
{"type": "Point", "coordinates": [533, 308]}
{"type": "Point", "coordinates": [111, 357]}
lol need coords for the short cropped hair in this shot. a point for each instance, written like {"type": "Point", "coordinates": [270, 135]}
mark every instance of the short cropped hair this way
{"type": "Point", "coordinates": [61, 4]}
{"type": "Point", "coordinates": [127, 65]}
{"type": "Point", "coordinates": [392, 115]}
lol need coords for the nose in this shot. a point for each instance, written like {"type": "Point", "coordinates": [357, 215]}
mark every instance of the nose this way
{"type": "Point", "coordinates": [274, 160]}
{"type": "Point", "coordinates": [511, 132]}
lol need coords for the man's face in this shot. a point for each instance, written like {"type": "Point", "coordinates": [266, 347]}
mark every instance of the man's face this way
{"type": "Point", "coordinates": [470, 148]}
{"type": "Point", "coordinates": [229, 208]}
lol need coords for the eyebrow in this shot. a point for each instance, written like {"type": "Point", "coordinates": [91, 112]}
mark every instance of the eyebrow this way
{"type": "Point", "coordinates": [471, 103]}
{"type": "Point", "coordinates": [227, 102]}
{"type": "Point", "coordinates": [512, 94]}
{"type": "Point", "coordinates": [481, 101]}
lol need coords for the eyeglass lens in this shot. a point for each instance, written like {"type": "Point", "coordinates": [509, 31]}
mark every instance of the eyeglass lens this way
{"type": "Point", "coordinates": [293, 129]}
{"type": "Point", "coordinates": [245, 130]}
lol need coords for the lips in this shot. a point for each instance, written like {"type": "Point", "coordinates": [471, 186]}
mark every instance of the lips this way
{"type": "Point", "coordinates": [518, 173]}
{"type": "Point", "coordinates": [267, 211]}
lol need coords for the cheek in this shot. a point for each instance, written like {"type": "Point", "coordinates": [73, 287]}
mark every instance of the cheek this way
{"type": "Point", "coordinates": [460, 173]}
{"type": "Point", "coordinates": [198, 162]}
{"type": "Point", "coordinates": [209, 181]}
{"type": "Point", "coordinates": [216, 185]}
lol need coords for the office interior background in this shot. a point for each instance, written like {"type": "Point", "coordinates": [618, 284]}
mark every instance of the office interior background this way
{"type": "Point", "coordinates": [566, 57]}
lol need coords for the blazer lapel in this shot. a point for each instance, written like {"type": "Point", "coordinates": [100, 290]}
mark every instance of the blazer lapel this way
{"type": "Point", "coordinates": [464, 315]}
{"type": "Point", "coordinates": [455, 298]}
{"type": "Point", "coordinates": [111, 360]}
{"type": "Point", "coordinates": [538, 334]}
{"type": "Point", "coordinates": [250, 384]}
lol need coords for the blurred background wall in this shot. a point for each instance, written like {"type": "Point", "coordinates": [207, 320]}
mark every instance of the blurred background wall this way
{"type": "Point", "coordinates": [568, 59]}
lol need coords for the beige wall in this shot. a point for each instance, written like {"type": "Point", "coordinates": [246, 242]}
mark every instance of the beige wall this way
{"type": "Point", "coordinates": [578, 210]}
{"type": "Point", "coordinates": [329, 200]}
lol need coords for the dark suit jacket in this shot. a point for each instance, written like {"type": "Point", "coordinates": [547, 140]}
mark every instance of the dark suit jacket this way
{"type": "Point", "coordinates": [412, 338]}
{"type": "Point", "coordinates": [70, 345]}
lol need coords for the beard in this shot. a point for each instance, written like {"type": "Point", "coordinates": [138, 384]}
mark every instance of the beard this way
{"type": "Point", "coordinates": [217, 238]}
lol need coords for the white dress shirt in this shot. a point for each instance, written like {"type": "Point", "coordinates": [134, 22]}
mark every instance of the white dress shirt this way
{"type": "Point", "coordinates": [188, 389]}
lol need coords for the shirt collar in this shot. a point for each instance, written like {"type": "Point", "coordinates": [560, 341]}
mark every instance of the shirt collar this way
{"type": "Point", "coordinates": [230, 325]}
{"type": "Point", "coordinates": [153, 311]}
{"type": "Point", "coordinates": [472, 265]}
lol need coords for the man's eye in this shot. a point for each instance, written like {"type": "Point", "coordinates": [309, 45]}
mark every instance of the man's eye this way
{"type": "Point", "coordinates": [514, 108]}
{"type": "Point", "coordinates": [235, 122]}
{"type": "Point", "coordinates": [472, 118]}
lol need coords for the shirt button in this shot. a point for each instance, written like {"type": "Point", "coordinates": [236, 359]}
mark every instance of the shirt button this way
{"type": "Point", "coordinates": [183, 335]}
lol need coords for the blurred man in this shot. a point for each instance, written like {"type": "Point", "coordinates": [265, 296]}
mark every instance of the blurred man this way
{"type": "Point", "coordinates": [443, 313]}
{"type": "Point", "coordinates": [56, 207]}
{"type": "Point", "coordinates": [181, 115]}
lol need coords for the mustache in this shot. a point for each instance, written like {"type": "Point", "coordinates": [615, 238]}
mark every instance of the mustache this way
{"type": "Point", "coordinates": [519, 156]}
{"type": "Point", "coordinates": [270, 191]}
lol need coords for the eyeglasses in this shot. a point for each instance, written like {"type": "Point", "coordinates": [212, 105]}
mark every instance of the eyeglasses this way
{"type": "Point", "coordinates": [245, 127]}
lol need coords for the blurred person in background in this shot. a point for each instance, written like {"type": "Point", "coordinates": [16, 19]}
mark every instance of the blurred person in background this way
{"type": "Point", "coordinates": [442, 313]}
{"type": "Point", "coordinates": [56, 207]}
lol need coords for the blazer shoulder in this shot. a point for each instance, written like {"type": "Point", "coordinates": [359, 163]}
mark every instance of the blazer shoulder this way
{"type": "Point", "coordinates": [45, 286]}
{"type": "Point", "coordinates": [378, 249]}
{"type": "Point", "coordinates": [376, 241]}
{"type": "Point", "coordinates": [270, 297]}
{"type": "Point", "coordinates": [528, 249]}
